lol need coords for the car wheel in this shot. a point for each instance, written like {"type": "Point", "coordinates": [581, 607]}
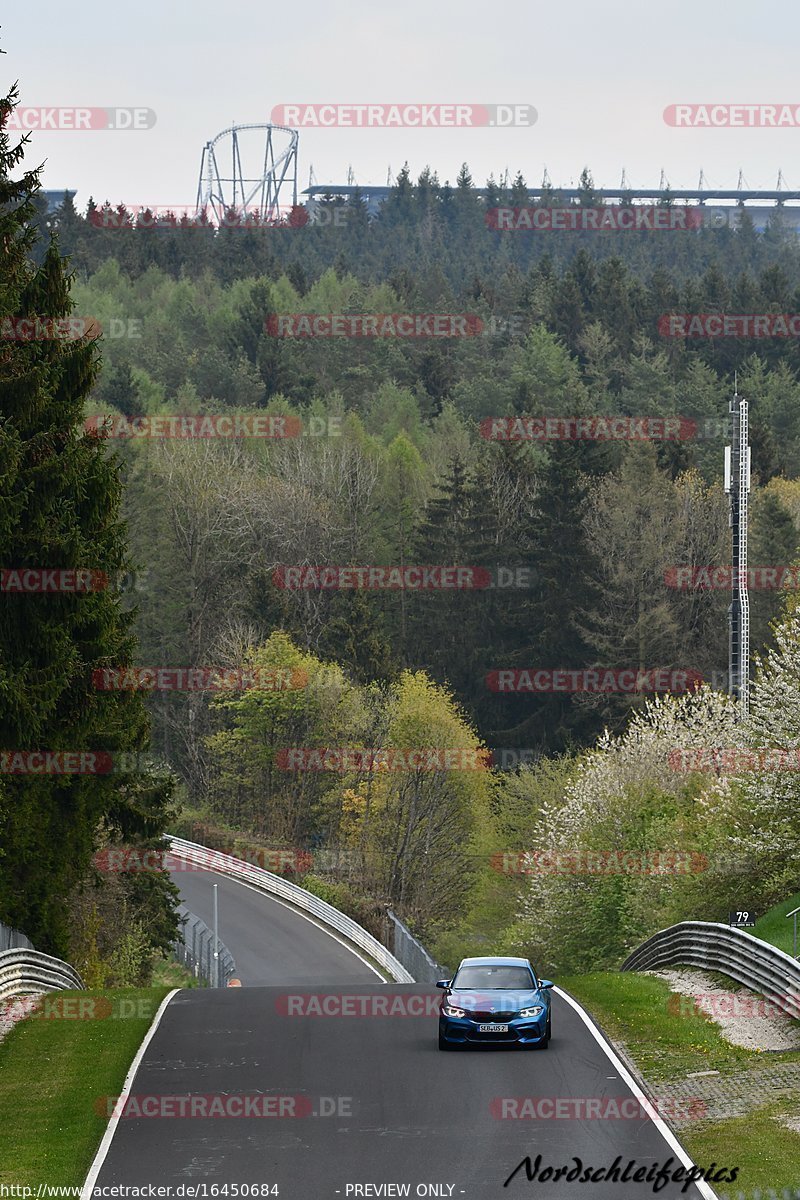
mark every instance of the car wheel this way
{"type": "Point", "coordinates": [545, 1042]}
{"type": "Point", "coordinates": [444, 1044]}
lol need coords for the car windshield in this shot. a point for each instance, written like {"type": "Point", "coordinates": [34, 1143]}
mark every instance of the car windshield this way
{"type": "Point", "coordinates": [487, 977]}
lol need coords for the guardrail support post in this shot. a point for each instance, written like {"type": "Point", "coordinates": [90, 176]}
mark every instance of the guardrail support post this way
{"type": "Point", "coordinates": [216, 938]}
{"type": "Point", "coordinates": [793, 914]}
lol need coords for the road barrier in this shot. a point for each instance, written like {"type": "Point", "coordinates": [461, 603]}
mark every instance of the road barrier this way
{"type": "Point", "coordinates": [23, 971]}
{"type": "Point", "coordinates": [12, 939]}
{"type": "Point", "coordinates": [297, 897]}
{"type": "Point", "coordinates": [413, 955]}
{"type": "Point", "coordinates": [194, 948]}
{"type": "Point", "coordinates": [716, 947]}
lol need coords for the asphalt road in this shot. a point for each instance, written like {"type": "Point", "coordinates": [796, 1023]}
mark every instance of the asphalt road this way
{"type": "Point", "coordinates": [270, 943]}
{"type": "Point", "coordinates": [360, 1101]}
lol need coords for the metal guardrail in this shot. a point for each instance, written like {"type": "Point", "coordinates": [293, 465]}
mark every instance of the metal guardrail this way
{"type": "Point", "coordinates": [755, 964]}
{"type": "Point", "coordinates": [12, 939]}
{"type": "Point", "coordinates": [413, 955]}
{"type": "Point", "coordinates": [274, 885]}
{"type": "Point", "coordinates": [29, 971]}
{"type": "Point", "coordinates": [195, 949]}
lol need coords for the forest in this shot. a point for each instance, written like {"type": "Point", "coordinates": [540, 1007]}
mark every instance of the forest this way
{"type": "Point", "coordinates": [514, 469]}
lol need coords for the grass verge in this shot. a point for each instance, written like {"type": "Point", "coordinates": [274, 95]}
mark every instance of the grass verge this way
{"type": "Point", "coordinates": [167, 973]}
{"type": "Point", "coordinates": [54, 1075]}
{"type": "Point", "coordinates": [774, 927]}
{"type": "Point", "coordinates": [767, 1153]}
{"type": "Point", "coordinates": [634, 1009]}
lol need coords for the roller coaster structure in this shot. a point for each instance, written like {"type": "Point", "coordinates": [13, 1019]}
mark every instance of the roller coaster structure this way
{"type": "Point", "coordinates": [255, 184]}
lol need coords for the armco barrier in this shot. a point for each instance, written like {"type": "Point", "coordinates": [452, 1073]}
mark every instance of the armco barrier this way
{"type": "Point", "coordinates": [24, 971]}
{"type": "Point", "coordinates": [413, 955]}
{"type": "Point", "coordinates": [194, 948]}
{"type": "Point", "coordinates": [12, 939]}
{"type": "Point", "coordinates": [274, 885]}
{"type": "Point", "coordinates": [716, 947]}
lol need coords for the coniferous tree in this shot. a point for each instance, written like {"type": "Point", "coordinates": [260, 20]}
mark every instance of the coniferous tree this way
{"type": "Point", "coordinates": [445, 622]}
{"type": "Point", "coordinates": [552, 620]}
{"type": "Point", "coordinates": [60, 496]}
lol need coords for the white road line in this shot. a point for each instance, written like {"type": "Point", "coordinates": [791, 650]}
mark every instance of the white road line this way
{"type": "Point", "coordinates": [298, 913]}
{"type": "Point", "coordinates": [119, 1107]}
{"type": "Point", "coordinates": [661, 1125]}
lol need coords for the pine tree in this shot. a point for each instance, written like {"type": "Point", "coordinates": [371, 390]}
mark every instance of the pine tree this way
{"type": "Point", "coordinates": [552, 619]}
{"type": "Point", "coordinates": [121, 390]}
{"type": "Point", "coordinates": [445, 624]}
{"type": "Point", "coordinates": [60, 497]}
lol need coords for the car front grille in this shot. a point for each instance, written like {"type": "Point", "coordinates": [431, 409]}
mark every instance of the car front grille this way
{"type": "Point", "coordinates": [489, 1017]}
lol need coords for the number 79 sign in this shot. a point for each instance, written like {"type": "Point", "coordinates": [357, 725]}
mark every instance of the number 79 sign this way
{"type": "Point", "coordinates": [742, 919]}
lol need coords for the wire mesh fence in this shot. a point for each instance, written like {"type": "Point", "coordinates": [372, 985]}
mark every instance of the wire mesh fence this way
{"type": "Point", "coordinates": [413, 955]}
{"type": "Point", "coordinates": [195, 950]}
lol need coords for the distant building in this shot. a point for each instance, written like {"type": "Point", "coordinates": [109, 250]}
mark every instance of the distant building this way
{"type": "Point", "coordinates": [760, 205]}
{"type": "Point", "coordinates": [55, 197]}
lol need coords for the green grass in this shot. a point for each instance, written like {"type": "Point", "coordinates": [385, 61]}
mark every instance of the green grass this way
{"type": "Point", "coordinates": [664, 1045]}
{"type": "Point", "coordinates": [167, 973]}
{"type": "Point", "coordinates": [633, 1008]}
{"type": "Point", "coordinates": [774, 927]}
{"type": "Point", "coordinates": [767, 1154]}
{"type": "Point", "coordinates": [54, 1073]}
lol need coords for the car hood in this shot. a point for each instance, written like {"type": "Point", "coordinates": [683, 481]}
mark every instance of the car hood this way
{"type": "Point", "coordinates": [494, 1001]}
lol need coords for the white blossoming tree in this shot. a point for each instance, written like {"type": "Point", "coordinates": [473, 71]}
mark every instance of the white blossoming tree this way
{"type": "Point", "coordinates": [655, 828]}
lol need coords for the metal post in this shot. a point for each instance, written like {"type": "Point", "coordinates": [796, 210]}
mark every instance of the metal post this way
{"type": "Point", "coordinates": [216, 938]}
{"type": "Point", "coordinates": [737, 485]}
{"type": "Point", "coordinates": [793, 914]}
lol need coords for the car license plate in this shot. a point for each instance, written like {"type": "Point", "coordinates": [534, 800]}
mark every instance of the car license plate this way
{"type": "Point", "coordinates": [493, 1028]}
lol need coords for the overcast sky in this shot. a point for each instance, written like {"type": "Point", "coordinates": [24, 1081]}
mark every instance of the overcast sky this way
{"type": "Point", "coordinates": [599, 74]}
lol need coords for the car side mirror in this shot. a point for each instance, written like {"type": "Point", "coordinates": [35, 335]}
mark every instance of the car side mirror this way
{"type": "Point", "coordinates": [546, 983]}
{"type": "Point", "coordinates": [443, 983]}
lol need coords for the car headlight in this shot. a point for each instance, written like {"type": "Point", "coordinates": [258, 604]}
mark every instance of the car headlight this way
{"type": "Point", "coordinates": [450, 1010]}
{"type": "Point", "coordinates": [531, 1012]}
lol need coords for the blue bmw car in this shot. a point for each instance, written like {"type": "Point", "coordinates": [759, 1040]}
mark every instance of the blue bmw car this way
{"type": "Point", "coordinates": [494, 1000]}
